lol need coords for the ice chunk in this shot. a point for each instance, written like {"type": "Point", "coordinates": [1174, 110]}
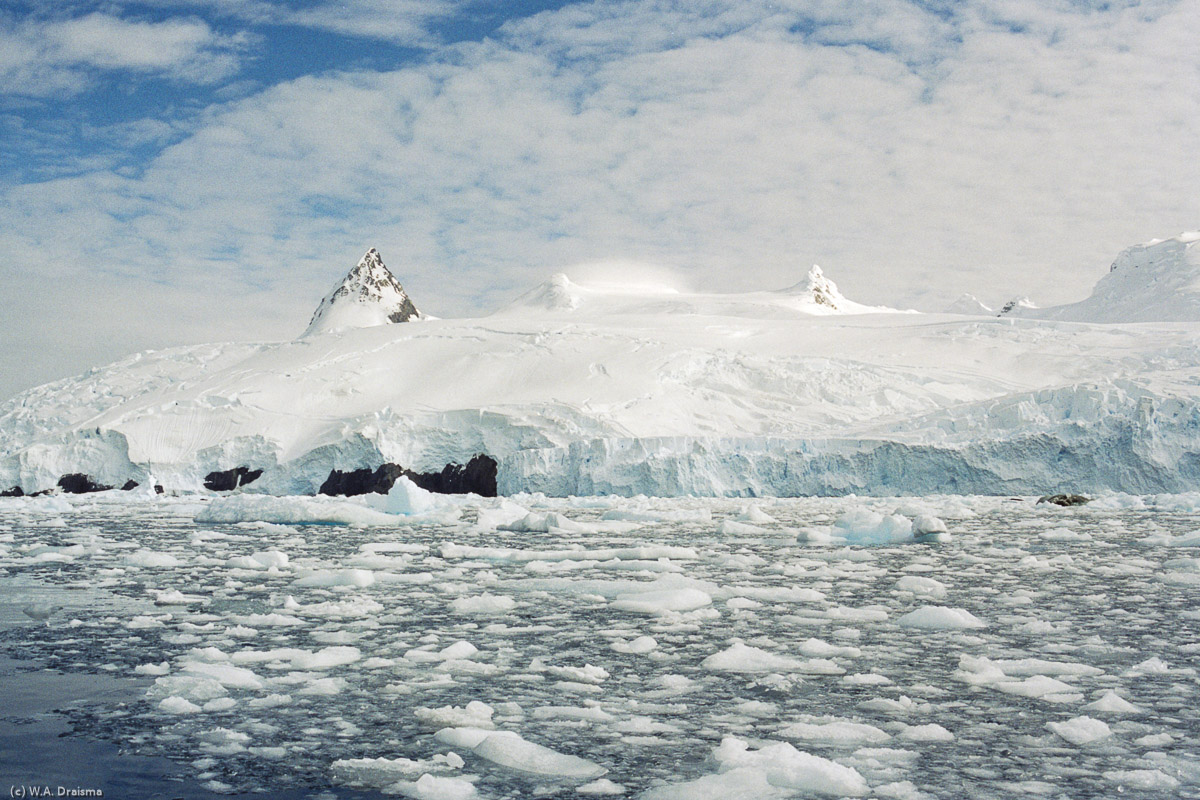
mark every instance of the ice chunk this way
{"type": "Point", "coordinates": [483, 604]}
{"type": "Point", "coordinates": [864, 527]}
{"type": "Point", "coordinates": [1041, 687]}
{"type": "Point", "coordinates": [785, 767]}
{"type": "Point", "coordinates": [405, 497]}
{"type": "Point", "coordinates": [927, 528]}
{"type": "Point", "coordinates": [225, 674]}
{"type": "Point", "coordinates": [195, 688]}
{"type": "Point", "coordinates": [1064, 535]}
{"type": "Point", "coordinates": [474, 715]}
{"type": "Point", "coordinates": [464, 738]}
{"type": "Point", "coordinates": [335, 577]}
{"type": "Point", "coordinates": [731, 527]}
{"type": "Point", "coordinates": [294, 510]}
{"type": "Point", "coordinates": [434, 787]}
{"type": "Point", "coordinates": [1080, 730]}
{"type": "Point", "coordinates": [600, 786]}
{"type": "Point", "coordinates": [639, 646]}
{"type": "Point", "coordinates": [324, 687]}
{"type": "Point", "coordinates": [1112, 703]}
{"type": "Point", "coordinates": [837, 732]}
{"type": "Point", "coordinates": [922, 587]}
{"type": "Point", "coordinates": [662, 601]}
{"type": "Point", "coordinates": [534, 522]}
{"type": "Point", "coordinates": [735, 784]}
{"type": "Point", "coordinates": [1147, 780]}
{"type": "Point", "coordinates": [380, 773]}
{"type": "Point", "coordinates": [263, 560]}
{"type": "Point", "coordinates": [505, 513]}
{"type": "Point", "coordinates": [927, 733]}
{"type": "Point", "coordinates": [510, 750]}
{"type": "Point", "coordinates": [755, 515]}
{"type": "Point", "coordinates": [940, 618]}
{"type": "Point", "coordinates": [162, 668]}
{"type": "Point", "coordinates": [149, 558]}
{"type": "Point", "coordinates": [178, 705]}
{"type": "Point", "coordinates": [740, 657]}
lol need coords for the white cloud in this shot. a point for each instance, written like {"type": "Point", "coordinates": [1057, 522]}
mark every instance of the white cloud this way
{"type": "Point", "coordinates": [737, 147]}
{"type": "Point", "coordinates": [44, 57]}
{"type": "Point", "coordinates": [404, 22]}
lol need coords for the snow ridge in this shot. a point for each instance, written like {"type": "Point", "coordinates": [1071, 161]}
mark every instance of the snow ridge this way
{"type": "Point", "coordinates": [369, 295]}
{"type": "Point", "coordinates": [633, 388]}
{"type": "Point", "coordinates": [1158, 281]}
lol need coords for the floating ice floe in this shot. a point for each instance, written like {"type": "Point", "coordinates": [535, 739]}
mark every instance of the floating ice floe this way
{"type": "Point", "coordinates": [774, 771]}
{"type": "Point", "coordinates": [1004, 677]}
{"type": "Point", "coordinates": [509, 749]}
{"type": "Point", "coordinates": [294, 510]}
{"type": "Point", "coordinates": [662, 601]}
{"type": "Point", "coordinates": [741, 657]}
{"type": "Point", "coordinates": [1081, 730]}
{"type": "Point", "coordinates": [940, 618]}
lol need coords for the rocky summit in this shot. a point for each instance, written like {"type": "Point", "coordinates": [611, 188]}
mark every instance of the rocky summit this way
{"type": "Point", "coordinates": [369, 295]}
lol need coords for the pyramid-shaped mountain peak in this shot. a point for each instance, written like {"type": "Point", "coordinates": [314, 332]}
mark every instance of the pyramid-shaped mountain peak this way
{"type": "Point", "coordinates": [369, 295]}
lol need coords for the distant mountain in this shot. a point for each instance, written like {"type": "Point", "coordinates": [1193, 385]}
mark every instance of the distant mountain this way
{"type": "Point", "coordinates": [369, 295]}
{"type": "Point", "coordinates": [636, 388]}
{"type": "Point", "coordinates": [1158, 281]}
{"type": "Point", "coordinates": [815, 295]}
{"type": "Point", "coordinates": [969, 304]}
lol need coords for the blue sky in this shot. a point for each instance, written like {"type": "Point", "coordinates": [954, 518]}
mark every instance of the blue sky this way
{"type": "Point", "coordinates": [181, 171]}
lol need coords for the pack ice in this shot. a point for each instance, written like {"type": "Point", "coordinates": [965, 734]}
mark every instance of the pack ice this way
{"type": "Point", "coordinates": [583, 388]}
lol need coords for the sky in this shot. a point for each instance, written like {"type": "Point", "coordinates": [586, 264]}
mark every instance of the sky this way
{"type": "Point", "coordinates": [187, 171]}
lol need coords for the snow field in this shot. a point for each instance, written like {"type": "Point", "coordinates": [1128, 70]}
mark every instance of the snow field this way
{"type": "Point", "coordinates": [641, 649]}
{"type": "Point", "coordinates": [628, 390]}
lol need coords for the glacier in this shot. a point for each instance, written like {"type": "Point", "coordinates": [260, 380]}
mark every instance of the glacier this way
{"type": "Point", "coordinates": [581, 388]}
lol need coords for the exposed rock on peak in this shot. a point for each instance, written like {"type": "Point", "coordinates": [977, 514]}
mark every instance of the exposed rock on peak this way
{"type": "Point", "coordinates": [819, 289]}
{"type": "Point", "coordinates": [1017, 307]}
{"type": "Point", "coordinates": [369, 295]}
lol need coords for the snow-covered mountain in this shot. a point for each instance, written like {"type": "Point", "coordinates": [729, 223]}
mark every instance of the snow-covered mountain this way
{"type": "Point", "coordinates": [1158, 281]}
{"type": "Point", "coordinates": [591, 387]}
{"type": "Point", "coordinates": [814, 295]}
{"type": "Point", "coordinates": [969, 304]}
{"type": "Point", "coordinates": [369, 295]}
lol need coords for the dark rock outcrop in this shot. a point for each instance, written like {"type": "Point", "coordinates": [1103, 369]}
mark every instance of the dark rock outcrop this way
{"type": "Point", "coordinates": [361, 481]}
{"type": "Point", "coordinates": [78, 483]}
{"type": "Point", "coordinates": [1064, 499]}
{"type": "Point", "coordinates": [229, 479]}
{"type": "Point", "coordinates": [130, 485]}
{"type": "Point", "coordinates": [15, 491]}
{"type": "Point", "coordinates": [478, 476]}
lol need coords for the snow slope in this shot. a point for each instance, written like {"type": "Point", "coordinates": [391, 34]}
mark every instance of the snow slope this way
{"type": "Point", "coordinates": [1152, 282]}
{"type": "Point", "coordinates": [584, 388]}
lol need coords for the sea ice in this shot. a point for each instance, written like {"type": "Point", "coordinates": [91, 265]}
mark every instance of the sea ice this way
{"type": "Point", "coordinates": [940, 618]}
{"type": "Point", "coordinates": [510, 750]}
{"type": "Point", "coordinates": [1080, 730]}
{"type": "Point", "coordinates": [740, 657]}
{"type": "Point", "coordinates": [662, 601]}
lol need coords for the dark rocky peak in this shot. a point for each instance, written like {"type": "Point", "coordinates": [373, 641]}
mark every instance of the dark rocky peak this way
{"type": "Point", "coordinates": [369, 295]}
